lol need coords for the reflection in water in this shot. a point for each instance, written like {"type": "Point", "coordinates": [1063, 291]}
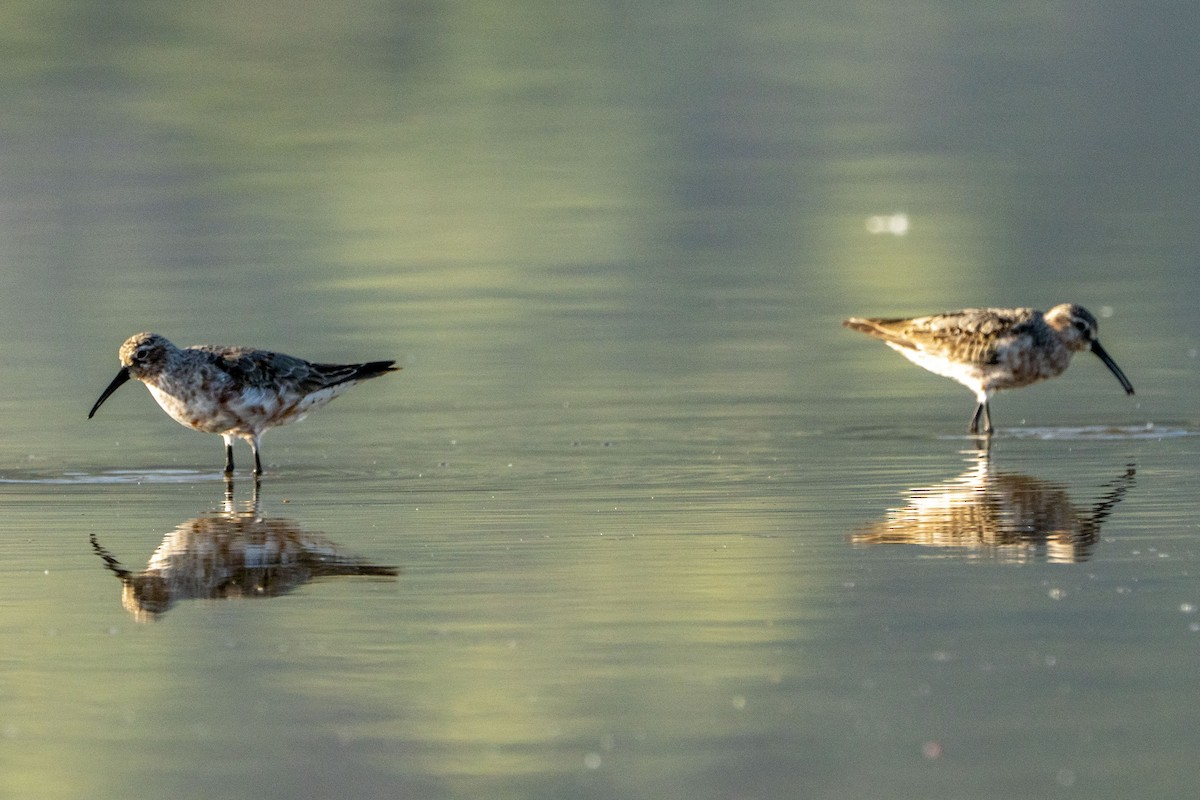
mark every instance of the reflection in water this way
{"type": "Point", "coordinates": [231, 554]}
{"type": "Point", "coordinates": [1008, 515]}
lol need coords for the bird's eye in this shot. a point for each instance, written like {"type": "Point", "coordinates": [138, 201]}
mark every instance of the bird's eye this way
{"type": "Point", "coordinates": [1081, 326]}
{"type": "Point", "coordinates": [141, 354]}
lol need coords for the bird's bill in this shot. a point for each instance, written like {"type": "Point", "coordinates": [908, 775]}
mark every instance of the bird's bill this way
{"type": "Point", "coordinates": [123, 376]}
{"type": "Point", "coordinates": [1112, 367]}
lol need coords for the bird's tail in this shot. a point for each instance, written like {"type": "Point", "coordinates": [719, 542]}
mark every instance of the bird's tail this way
{"type": "Point", "coordinates": [372, 369]}
{"type": "Point", "coordinates": [333, 374]}
{"type": "Point", "coordinates": [879, 329]}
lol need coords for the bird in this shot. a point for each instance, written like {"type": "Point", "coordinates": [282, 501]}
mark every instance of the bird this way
{"type": "Point", "coordinates": [989, 349]}
{"type": "Point", "coordinates": [238, 392]}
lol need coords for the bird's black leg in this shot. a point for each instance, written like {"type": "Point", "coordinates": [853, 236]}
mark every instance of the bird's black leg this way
{"type": "Point", "coordinates": [228, 459]}
{"type": "Point", "coordinates": [983, 413]}
{"type": "Point", "coordinates": [258, 470]}
{"type": "Point", "coordinates": [975, 419]}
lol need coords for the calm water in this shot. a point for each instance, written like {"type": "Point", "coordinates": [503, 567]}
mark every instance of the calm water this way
{"type": "Point", "coordinates": [638, 518]}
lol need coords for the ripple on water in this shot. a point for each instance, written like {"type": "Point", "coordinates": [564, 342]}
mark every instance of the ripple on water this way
{"type": "Point", "coordinates": [116, 476]}
{"type": "Point", "coordinates": [1148, 431]}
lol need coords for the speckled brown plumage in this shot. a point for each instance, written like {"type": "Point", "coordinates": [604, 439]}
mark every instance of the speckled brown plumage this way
{"type": "Point", "coordinates": [990, 349]}
{"type": "Point", "coordinates": [237, 392]}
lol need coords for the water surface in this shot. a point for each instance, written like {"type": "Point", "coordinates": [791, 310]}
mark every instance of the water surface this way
{"type": "Point", "coordinates": [638, 518]}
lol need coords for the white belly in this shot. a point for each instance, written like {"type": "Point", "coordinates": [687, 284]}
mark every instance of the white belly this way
{"type": "Point", "coordinates": [966, 374]}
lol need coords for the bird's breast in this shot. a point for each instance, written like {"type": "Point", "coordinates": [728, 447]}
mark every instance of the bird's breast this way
{"type": "Point", "coordinates": [1024, 362]}
{"type": "Point", "coordinates": [211, 404]}
{"type": "Point", "coordinates": [194, 409]}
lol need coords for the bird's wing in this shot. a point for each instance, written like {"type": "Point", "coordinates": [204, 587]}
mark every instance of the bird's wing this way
{"type": "Point", "coordinates": [252, 368]}
{"type": "Point", "coordinates": [976, 335]}
{"type": "Point", "coordinates": [269, 370]}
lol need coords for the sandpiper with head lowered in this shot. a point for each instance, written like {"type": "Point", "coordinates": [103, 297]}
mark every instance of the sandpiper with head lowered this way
{"type": "Point", "coordinates": [237, 392]}
{"type": "Point", "coordinates": [989, 349]}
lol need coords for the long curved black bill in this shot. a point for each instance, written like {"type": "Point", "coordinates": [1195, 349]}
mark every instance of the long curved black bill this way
{"type": "Point", "coordinates": [1112, 366]}
{"type": "Point", "coordinates": [123, 376]}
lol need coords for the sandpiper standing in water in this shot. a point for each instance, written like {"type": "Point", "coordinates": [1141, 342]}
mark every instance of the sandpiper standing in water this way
{"type": "Point", "coordinates": [989, 349]}
{"type": "Point", "coordinates": [234, 391]}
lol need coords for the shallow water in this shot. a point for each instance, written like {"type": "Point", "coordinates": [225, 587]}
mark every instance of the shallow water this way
{"type": "Point", "coordinates": [580, 618]}
{"type": "Point", "coordinates": [638, 518]}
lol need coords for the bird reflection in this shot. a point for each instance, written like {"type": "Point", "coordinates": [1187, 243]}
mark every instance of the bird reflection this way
{"type": "Point", "coordinates": [1006, 515]}
{"type": "Point", "coordinates": [229, 554]}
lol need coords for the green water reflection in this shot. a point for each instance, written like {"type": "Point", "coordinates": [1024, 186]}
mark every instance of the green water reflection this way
{"type": "Point", "coordinates": [1005, 515]}
{"type": "Point", "coordinates": [624, 465]}
{"type": "Point", "coordinates": [236, 553]}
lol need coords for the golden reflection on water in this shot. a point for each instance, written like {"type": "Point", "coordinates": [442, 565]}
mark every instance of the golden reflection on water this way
{"type": "Point", "coordinates": [234, 553]}
{"type": "Point", "coordinates": [1005, 515]}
